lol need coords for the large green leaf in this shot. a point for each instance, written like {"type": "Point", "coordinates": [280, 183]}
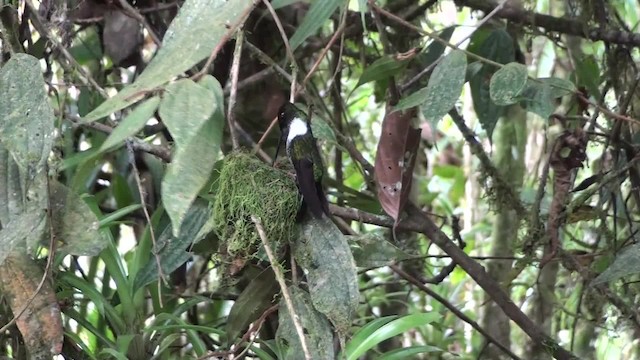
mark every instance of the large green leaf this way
{"type": "Point", "coordinates": [171, 249]}
{"type": "Point", "coordinates": [625, 264]}
{"type": "Point", "coordinates": [390, 330]}
{"type": "Point", "coordinates": [382, 69]}
{"type": "Point", "coordinates": [494, 45]}
{"type": "Point", "coordinates": [316, 328]}
{"type": "Point", "coordinates": [443, 89]}
{"type": "Point", "coordinates": [132, 123]}
{"type": "Point", "coordinates": [73, 222]}
{"type": "Point", "coordinates": [372, 249]}
{"type": "Point", "coordinates": [507, 83]}
{"type": "Point", "coordinates": [257, 297]}
{"type": "Point", "coordinates": [189, 112]}
{"type": "Point", "coordinates": [445, 86]}
{"type": "Point", "coordinates": [26, 118]}
{"type": "Point", "coordinates": [26, 133]}
{"type": "Point", "coordinates": [197, 29]}
{"type": "Point", "coordinates": [539, 95]}
{"type": "Point", "coordinates": [323, 251]}
{"type": "Point", "coordinates": [318, 13]}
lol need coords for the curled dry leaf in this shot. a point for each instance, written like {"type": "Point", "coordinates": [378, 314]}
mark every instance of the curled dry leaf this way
{"type": "Point", "coordinates": [395, 158]}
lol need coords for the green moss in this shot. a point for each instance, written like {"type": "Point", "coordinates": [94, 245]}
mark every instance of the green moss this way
{"type": "Point", "coordinates": [248, 187]}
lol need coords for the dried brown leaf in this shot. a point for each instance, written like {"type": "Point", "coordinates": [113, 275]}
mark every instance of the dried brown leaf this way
{"type": "Point", "coordinates": [395, 158]}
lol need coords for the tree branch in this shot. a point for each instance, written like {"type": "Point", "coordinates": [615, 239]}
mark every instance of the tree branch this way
{"type": "Point", "coordinates": [566, 26]}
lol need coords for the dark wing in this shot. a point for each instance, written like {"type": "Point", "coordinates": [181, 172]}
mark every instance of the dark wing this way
{"type": "Point", "coordinates": [311, 191]}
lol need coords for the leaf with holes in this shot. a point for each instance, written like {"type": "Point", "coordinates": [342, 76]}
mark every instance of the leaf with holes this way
{"type": "Point", "coordinates": [507, 83]}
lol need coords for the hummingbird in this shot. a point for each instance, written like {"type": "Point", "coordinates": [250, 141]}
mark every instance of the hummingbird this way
{"type": "Point", "coordinates": [303, 153]}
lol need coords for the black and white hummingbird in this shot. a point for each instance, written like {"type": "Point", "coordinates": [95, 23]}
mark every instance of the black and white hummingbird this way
{"type": "Point", "coordinates": [303, 153]}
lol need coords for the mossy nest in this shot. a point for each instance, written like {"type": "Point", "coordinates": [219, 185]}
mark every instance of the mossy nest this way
{"type": "Point", "coordinates": [248, 187]}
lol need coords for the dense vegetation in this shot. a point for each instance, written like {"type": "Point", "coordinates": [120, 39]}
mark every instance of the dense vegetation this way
{"type": "Point", "coordinates": [481, 163]}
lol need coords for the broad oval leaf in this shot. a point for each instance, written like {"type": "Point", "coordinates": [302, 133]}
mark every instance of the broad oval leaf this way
{"type": "Point", "coordinates": [318, 13]}
{"type": "Point", "coordinates": [507, 83]}
{"type": "Point", "coordinates": [496, 45]}
{"type": "Point", "coordinates": [26, 118]}
{"type": "Point", "coordinates": [171, 249]}
{"type": "Point", "coordinates": [256, 297]}
{"type": "Point", "coordinates": [197, 29]}
{"type": "Point", "coordinates": [539, 95]}
{"type": "Point", "coordinates": [317, 329]}
{"type": "Point", "coordinates": [189, 112]}
{"type": "Point", "coordinates": [73, 222]}
{"type": "Point", "coordinates": [323, 251]}
{"type": "Point", "coordinates": [627, 263]}
{"type": "Point", "coordinates": [132, 123]}
{"type": "Point", "coordinates": [443, 90]}
{"type": "Point", "coordinates": [445, 86]}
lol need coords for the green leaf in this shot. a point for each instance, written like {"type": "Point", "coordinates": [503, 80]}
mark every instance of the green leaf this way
{"type": "Point", "coordinates": [382, 69]}
{"type": "Point", "coordinates": [323, 131]}
{"type": "Point", "coordinates": [409, 352]}
{"type": "Point", "coordinates": [539, 95]}
{"type": "Point", "coordinates": [366, 331]}
{"type": "Point", "coordinates": [26, 118]}
{"type": "Point", "coordinates": [413, 100]}
{"type": "Point", "coordinates": [323, 251]}
{"type": "Point", "coordinates": [132, 123]}
{"type": "Point", "coordinates": [445, 86]}
{"type": "Point", "coordinates": [625, 264]}
{"type": "Point", "coordinates": [189, 112]}
{"type": "Point", "coordinates": [435, 48]}
{"type": "Point", "coordinates": [319, 12]}
{"type": "Point", "coordinates": [559, 87]}
{"type": "Point", "coordinates": [494, 45]}
{"type": "Point", "coordinates": [197, 29]}
{"type": "Point", "coordinates": [588, 75]}
{"type": "Point", "coordinates": [172, 249]}
{"type": "Point", "coordinates": [443, 89]}
{"type": "Point", "coordinates": [372, 250]}
{"type": "Point", "coordinates": [73, 222]}
{"type": "Point", "coordinates": [390, 330]}
{"type": "Point", "coordinates": [256, 297]}
{"type": "Point", "coordinates": [317, 330]}
{"type": "Point", "coordinates": [507, 83]}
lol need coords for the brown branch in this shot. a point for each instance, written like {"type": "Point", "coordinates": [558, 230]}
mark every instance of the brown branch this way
{"type": "Point", "coordinates": [419, 222]}
{"type": "Point", "coordinates": [566, 26]}
{"type": "Point", "coordinates": [161, 152]}
{"type": "Point", "coordinates": [453, 309]}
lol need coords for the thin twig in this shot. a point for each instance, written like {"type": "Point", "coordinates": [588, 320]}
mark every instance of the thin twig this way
{"type": "Point", "coordinates": [235, 69]}
{"type": "Point", "coordinates": [223, 41]}
{"type": "Point", "coordinates": [142, 193]}
{"type": "Point", "coordinates": [333, 39]}
{"type": "Point", "coordinates": [453, 309]}
{"type": "Point", "coordinates": [484, 20]}
{"type": "Point", "coordinates": [86, 78]}
{"type": "Point", "coordinates": [133, 13]}
{"type": "Point", "coordinates": [161, 152]}
{"type": "Point", "coordinates": [283, 286]}
{"type": "Point", "coordinates": [283, 34]}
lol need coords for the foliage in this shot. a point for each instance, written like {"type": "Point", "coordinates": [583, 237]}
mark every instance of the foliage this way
{"type": "Point", "coordinates": [141, 215]}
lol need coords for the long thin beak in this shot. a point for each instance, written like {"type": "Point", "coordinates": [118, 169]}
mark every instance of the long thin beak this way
{"type": "Point", "coordinates": [277, 151]}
